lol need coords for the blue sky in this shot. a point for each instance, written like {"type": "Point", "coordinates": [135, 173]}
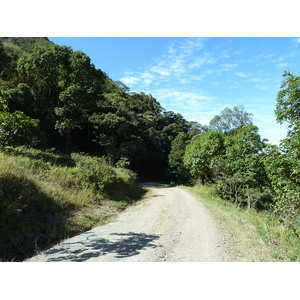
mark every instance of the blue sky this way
{"type": "Point", "coordinates": [199, 77]}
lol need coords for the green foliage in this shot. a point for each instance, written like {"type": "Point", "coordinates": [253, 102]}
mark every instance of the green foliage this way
{"type": "Point", "coordinates": [4, 58]}
{"type": "Point", "coordinates": [176, 156]}
{"type": "Point", "coordinates": [46, 197]}
{"type": "Point", "coordinates": [255, 235]}
{"type": "Point", "coordinates": [283, 172]}
{"type": "Point", "coordinates": [240, 172]}
{"type": "Point", "coordinates": [200, 154]}
{"type": "Point", "coordinates": [66, 88]}
{"type": "Point", "coordinates": [52, 96]}
{"type": "Point", "coordinates": [282, 162]}
{"type": "Point", "coordinates": [19, 98]}
{"type": "Point", "coordinates": [123, 162]}
{"type": "Point", "coordinates": [17, 128]}
{"type": "Point", "coordinates": [26, 43]}
{"type": "Point", "coordinates": [95, 171]}
{"type": "Point", "coordinates": [288, 106]}
{"type": "Point", "coordinates": [80, 108]}
{"type": "Point", "coordinates": [230, 119]}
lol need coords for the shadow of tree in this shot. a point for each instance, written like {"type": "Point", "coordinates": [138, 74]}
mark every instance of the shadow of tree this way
{"type": "Point", "coordinates": [128, 244]}
{"type": "Point", "coordinates": [29, 218]}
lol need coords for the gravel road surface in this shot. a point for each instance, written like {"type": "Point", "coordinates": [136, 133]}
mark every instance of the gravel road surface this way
{"type": "Point", "coordinates": [169, 225]}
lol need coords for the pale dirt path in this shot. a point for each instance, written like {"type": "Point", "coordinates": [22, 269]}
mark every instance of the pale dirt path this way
{"type": "Point", "coordinates": [169, 225]}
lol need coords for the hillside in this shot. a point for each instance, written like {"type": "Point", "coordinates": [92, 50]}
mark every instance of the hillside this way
{"type": "Point", "coordinates": [26, 43]}
{"type": "Point", "coordinates": [46, 197]}
{"type": "Point", "coordinates": [102, 136]}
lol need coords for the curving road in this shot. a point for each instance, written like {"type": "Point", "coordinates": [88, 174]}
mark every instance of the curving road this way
{"type": "Point", "coordinates": [170, 225]}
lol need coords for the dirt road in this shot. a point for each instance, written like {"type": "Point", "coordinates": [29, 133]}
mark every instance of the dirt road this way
{"type": "Point", "coordinates": [169, 225]}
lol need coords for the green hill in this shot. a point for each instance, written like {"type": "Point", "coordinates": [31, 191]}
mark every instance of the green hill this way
{"type": "Point", "coordinates": [26, 43]}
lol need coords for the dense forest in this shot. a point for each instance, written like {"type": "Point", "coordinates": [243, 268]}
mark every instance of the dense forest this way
{"type": "Point", "coordinates": [52, 97]}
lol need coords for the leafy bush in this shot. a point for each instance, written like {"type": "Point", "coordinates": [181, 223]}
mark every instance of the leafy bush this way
{"type": "Point", "coordinates": [94, 171]}
{"type": "Point", "coordinates": [283, 172]}
{"type": "Point", "coordinates": [45, 197]}
{"type": "Point", "coordinates": [200, 154]}
{"type": "Point", "coordinates": [16, 128]}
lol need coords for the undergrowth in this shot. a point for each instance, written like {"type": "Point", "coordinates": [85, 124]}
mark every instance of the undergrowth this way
{"type": "Point", "coordinates": [46, 197]}
{"type": "Point", "coordinates": [253, 235]}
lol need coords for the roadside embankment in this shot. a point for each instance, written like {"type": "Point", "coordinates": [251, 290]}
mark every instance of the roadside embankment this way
{"type": "Point", "coordinates": [47, 197]}
{"type": "Point", "coordinates": [253, 235]}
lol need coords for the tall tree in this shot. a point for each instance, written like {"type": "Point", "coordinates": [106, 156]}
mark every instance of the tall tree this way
{"type": "Point", "coordinates": [282, 162]}
{"type": "Point", "coordinates": [240, 172]}
{"type": "Point", "coordinates": [230, 119]}
{"type": "Point", "coordinates": [66, 88]}
{"type": "Point", "coordinates": [200, 154]}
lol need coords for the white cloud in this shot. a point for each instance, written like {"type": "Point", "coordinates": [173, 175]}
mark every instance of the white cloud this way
{"type": "Point", "coordinates": [183, 79]}
{"type": "Point", "coordinates": [147, 77]}
{"type": "Point", "coordinates": [284, 57]}
{"type": "Point", "coordinates": [130, 80]}
{"type": "Point", "coordinates": [274, 134]}
{"type": "Point", "coordinates": [160, 70]}
{"type": "Point", "coordinates": [191, 105]}
{"type": "Point", "coordinates": [227, 67]}
{"type": "Point", "coordinates": [189, 46]}
{"type": "Point", "coordinates": [254, 79]}
{"type": "Point", "coordinates": [195, 77]}
{"type": "Point", "coordinates": [265, 56]}
{"type": "Point", "coordinates": [177, 96]}
{"type": "Point", "coordinates": [282, 65]}
{"type": "Point", "coordinates": [177, 63]}
{"type": "Point", "coordinates": [202, 60]}
{"type": "Point", "coordinates": [241, 74]}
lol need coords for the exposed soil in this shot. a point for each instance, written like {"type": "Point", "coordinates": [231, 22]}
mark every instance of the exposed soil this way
{"type": "Point", "coordinates": [169, 225]}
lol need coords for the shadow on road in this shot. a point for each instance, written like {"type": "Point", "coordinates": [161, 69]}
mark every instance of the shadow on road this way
{"type": "Point", "coordinates": [129, 244]}
{"type": "Point", "coordinates": [156, 185]}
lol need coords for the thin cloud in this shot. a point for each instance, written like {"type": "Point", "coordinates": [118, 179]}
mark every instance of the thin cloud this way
{"type": "Point", "coordinates": [170, 94]}
{"type": "Point", "coordinates": [241, 74]}
{"type": "Point", "coordinates": [130, 80]}
{"type": "Point", "coordinates": [199, 79]}
{"type": "Point", "coordinates": [189, 104]}
{"type": "Point", "coordinates": [228, 67]}
{"type": "Point", "coordinates": [178, 63]}
{"type": "Point", "coordinates": [202, 60]}
{"type": "Point", "coordinates": [284, 57]}
{"type": "Point", "coordinates": [147, 77]}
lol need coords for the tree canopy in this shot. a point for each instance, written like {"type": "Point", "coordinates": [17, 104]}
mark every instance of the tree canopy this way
{"type": "Point", "coordinates": [54, 97]}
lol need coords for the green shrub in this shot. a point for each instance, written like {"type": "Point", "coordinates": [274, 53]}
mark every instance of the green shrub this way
{"type": "Point", "coordinates": [45, 197]}
{"type": "Point", "coordinates": [94, 171]}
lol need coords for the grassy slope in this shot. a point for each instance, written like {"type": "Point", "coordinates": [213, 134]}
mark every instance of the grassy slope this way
{"type": "Point", "coordinates": [26, 43]}
{"type": "Point", "coordinates": [45, 197]}
{"type": "Point", "coordinates": [254, 236]}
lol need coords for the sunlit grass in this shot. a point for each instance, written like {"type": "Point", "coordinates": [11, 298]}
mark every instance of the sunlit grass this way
{"type": "Point", "coordinates": [46, 197]}
{"type": "Point", "coordinates": [253, 235]}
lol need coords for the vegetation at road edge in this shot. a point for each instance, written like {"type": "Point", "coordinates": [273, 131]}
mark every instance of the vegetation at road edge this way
{"type": "Point", "coordinates": [46, 197]}
{"type": "Point", "coordinates": [254, 236]}
{"type": "Point", "coordinates": [104, 136]}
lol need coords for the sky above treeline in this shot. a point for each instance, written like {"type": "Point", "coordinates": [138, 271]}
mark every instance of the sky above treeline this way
{"type": "Point", "coordinates": [199, 77]}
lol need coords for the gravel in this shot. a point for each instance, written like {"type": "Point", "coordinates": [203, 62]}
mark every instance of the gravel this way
{"type": "Point", "coordinates": [169, 225]}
